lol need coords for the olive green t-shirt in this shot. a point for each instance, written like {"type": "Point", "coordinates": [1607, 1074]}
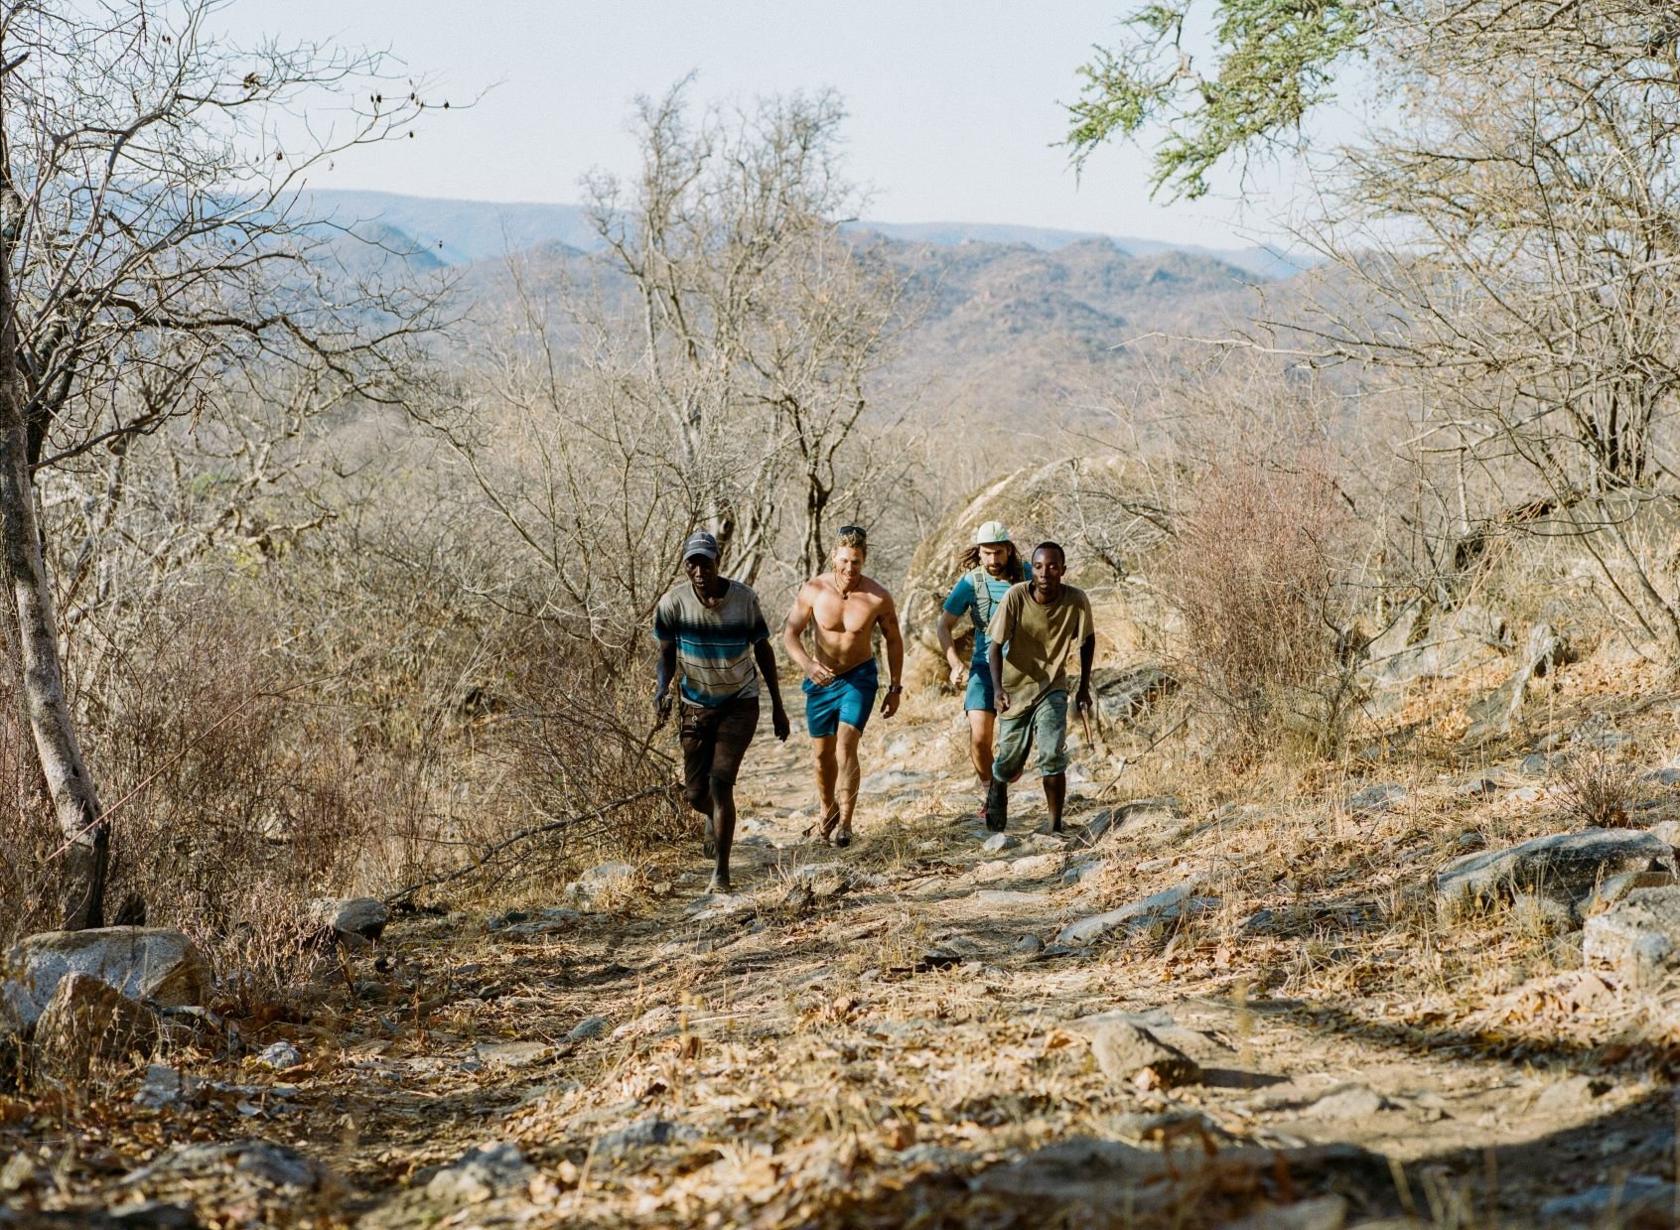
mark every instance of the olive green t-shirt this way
{"type": "Point", "coordinates": [1037, 639]}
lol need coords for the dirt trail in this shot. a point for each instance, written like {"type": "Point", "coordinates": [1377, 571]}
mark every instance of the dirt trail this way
{"type": "Point", "coordinates": [885, 1035]}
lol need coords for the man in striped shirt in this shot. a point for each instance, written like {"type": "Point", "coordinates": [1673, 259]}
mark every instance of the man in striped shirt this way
{"type": "Point", "coordinates": [712, 634]}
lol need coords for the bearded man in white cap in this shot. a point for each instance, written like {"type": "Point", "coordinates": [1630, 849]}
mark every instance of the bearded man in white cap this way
{"type": "Point", "coordinates": [990, 566]}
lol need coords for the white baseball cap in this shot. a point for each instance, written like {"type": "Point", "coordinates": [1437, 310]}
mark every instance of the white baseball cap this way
{"type": "Point", "coordinates": [989, 533]}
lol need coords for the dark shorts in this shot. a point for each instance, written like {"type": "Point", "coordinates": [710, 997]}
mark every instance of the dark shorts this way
{"type": "Point", "coordinates": [713, 741]}
{"type": "Point", "coordinates": [848, 699]}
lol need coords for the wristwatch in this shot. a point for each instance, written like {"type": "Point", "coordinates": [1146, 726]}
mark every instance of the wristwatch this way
{"type": "Point", "coordinates": [897, 687]}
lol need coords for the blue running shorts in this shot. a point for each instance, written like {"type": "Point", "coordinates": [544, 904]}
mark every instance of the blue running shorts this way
{"type": "Point", "coordinates": [848, 699]}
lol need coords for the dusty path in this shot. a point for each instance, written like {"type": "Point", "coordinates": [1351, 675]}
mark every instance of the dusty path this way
{"type": "Point", "coordinates": [888, 1035]}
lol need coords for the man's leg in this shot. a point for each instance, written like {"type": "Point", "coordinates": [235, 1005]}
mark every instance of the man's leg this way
{"type": "Point", "coordinates": [823, 753]}
{"type": "Point", "coordinates": [734, 734]}
{"type": "Point", "coordinates": [697, 736]}
{"type": "Point", "coordinates": [846, 784]}
{"type": "Point", "coordinates": [1014, 740]}
{"type": "Point", "coordinates": [1050, 733]}
{"type": "Point", "coordinates": [981, 729]}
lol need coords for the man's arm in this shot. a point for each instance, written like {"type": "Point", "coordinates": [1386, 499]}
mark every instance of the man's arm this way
{"type": "Point", "coordinates": [663, 674]}
{"type": "Point", "coordinates": [766, 659]}
{"type": "Point", "coordinates": [1003, 627]}
{"type": "Point", "coordinates": [1087, 655]}
{"type": "Point", "coordinates": [798, 618]}
{"type": "Point", "coordinates": [895, 655]}
{"type": "Point", "coordinates": [947, 623]}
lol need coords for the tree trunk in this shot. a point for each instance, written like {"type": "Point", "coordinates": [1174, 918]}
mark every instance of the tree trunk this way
{"type": "Point", "coordinates": [86, 836]}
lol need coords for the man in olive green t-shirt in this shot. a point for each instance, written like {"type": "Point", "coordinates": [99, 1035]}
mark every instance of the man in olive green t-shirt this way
{"type": "Point", "coordinates": [1032, 631]}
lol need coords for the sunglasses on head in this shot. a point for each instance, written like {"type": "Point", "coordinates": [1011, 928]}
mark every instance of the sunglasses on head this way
{"type": "Point", "coordinates": [854, 529]}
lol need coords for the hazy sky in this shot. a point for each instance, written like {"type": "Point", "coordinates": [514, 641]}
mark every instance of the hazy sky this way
{"type": "Point", "coordinates": [954, 105]}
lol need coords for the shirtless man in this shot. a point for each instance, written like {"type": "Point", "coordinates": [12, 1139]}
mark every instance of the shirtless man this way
{"type": "Point", "coordinates": [843, 608]}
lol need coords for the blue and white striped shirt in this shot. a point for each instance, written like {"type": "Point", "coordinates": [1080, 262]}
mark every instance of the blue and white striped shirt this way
{"type": "Point", "coordinates": [714, 643]}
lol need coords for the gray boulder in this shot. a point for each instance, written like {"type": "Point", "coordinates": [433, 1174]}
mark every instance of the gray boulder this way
{"type": "Point", "coordinates": [1639, 936]}
{"type": "Point", "coordinates": [280, 1056]}
{"type": "Point", "coordinates": [87, 1022]}
{"type": "Point", "coordinates": [589, 1027]}
{"type": "Point", "coordinates": [1494, 714]}
{"type": "Point", "coordinates": [143, 963]}
{"type": "Point", "coordinates": [998, 842]}
{"type": "Point", "coordinates": [271, 1165]}
{"type": "Point", "coordinates": [351, 918]}
{"type": "Point", "coordinates": [1168, 906]}
{"type": "Point", "coordinates": [1566, 866]}
{"type": "Point", "coordinates": [1126, 695]}
{"type": "Point", "coordinates": [1129, 1053]}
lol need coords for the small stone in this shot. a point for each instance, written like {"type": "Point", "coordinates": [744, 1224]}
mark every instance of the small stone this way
{"type": "Point", "coordinates": [1536, 764]}
{"type": "Point", "coordinates": [1349, 1102]}
{"type": "Point", "coordinates": [1167, 906]}
{"type": "Point", "coordinates": [165, 1086]}
{"type": "Point", "coordinates": [601, 883]}
{"type": "Point", "coordinates": [1470, 840]}
{"type": "Point", "coordinates": [280, 1056]}
{"type": "Point", "coordinates": [1027, 945]}
{"type": "Point", "coordinates": [1667, 776]}
{"type": "Point", "coordinates": [511, 1055]}
{"type": "Point", "coordinates": [1383, 796]}
{"type": "Point", "coordinates": [644, 1134]}
{"type": "Point", "coordinates": [1079, 871]}
{"type": "Point", "coordinates": [482, 1173]}
{"type": "Point", "coordinates": [589, 1027]}
{"type": "Point", "coordinates": [1129, 1053]}
{"type": "Point", "coordinates": [1000, 841]}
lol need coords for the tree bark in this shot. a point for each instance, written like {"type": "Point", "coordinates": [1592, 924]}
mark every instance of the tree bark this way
{"type": "Point", "coordinates": [86, 836]}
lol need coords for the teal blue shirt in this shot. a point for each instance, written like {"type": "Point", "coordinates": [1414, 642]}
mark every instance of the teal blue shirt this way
{"type": "Point", "coordinates": [964, 600]}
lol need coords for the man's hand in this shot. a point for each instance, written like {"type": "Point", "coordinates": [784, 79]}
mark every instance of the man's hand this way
{"type": "Point", "coordinates": [1082, 699]}
{"type": "Point", "coordinates": [958, 670]}
{"type": "Point", "coordinates": [819, 675]}
{"type": "Point", "coordinates": [661, 707]}
{"type": "Point", "coordinates": [889, 702]}
{"type": "Point", "coordinates": [1002, 700]}
{"type": "Point", "coordinates": [779, 722]}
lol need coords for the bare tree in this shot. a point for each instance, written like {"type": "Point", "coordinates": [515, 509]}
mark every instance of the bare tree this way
{"type": "Point", "coordinates": [756, 322]}
{"type": "Point", "coordinates": [151, 250]}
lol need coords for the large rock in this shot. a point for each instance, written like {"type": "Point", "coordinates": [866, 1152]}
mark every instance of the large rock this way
{"type": "Point", "coordinates": [1455, 639]}
{"type": "Point", "coordinates": [1130, 1054]}
{"type": "Point", "coordinates": [351, 918]}
{"type": "Point", "coordinates": [144, 963]}
{"type": "Point", "coordinates": [1562, 865]}
{"type": "Point", "coordinates": [1167, 906]}
{"type": "Point", "coordinates": [1494, 714]}
{"type": "Point", "coordinates": [88, 1022]}
{"type": "Point", "coordinates": [1639, 936]}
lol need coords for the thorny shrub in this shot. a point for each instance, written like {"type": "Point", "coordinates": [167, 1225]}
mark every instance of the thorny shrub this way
{"type": "Point", "coordinates": [1253, 573]}
{"type": "Point", "coordinates": [1593, 789]}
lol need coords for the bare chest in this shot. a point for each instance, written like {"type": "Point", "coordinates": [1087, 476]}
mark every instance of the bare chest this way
{"type": "Point", "coordinates": [842, 613]}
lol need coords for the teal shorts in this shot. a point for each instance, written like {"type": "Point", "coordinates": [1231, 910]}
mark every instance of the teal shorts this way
{"type": "Point", "coordinates": [848, 699]}
{"type": "Point", "coordinates": [980, 694]}
{"type": "Point", "coordinates": [1044, 725]}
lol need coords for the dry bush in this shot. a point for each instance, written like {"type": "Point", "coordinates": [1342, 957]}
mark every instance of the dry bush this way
{"type": "Point", "coordinates": [1253, 574]}
{"type": "Point", "coordinates": [1594, 790]}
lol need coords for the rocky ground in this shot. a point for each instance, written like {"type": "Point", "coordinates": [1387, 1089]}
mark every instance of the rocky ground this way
{"type": "Point", "coordinates": [1426, 995]}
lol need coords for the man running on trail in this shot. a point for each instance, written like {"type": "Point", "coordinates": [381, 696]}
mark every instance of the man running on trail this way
{"type": "Point", "coordinates": [993, 566]}
{"type": "Point", "coordinates": [1031, 634]}
{"type": "Point", "coordinates": [843, 608]}
{"type": "Point", "coordinates": [712, 631]}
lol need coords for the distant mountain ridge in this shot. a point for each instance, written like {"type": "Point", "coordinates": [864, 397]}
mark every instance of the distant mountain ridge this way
{"type": "Point", "coordinates": [457, 232]}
